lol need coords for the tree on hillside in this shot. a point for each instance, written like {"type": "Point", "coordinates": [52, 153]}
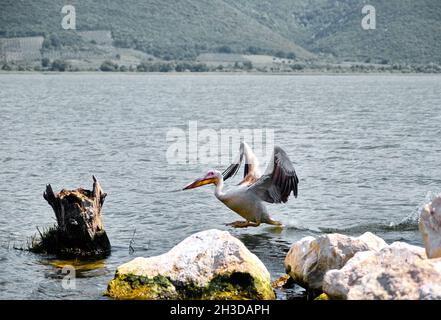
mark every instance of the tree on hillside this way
{"type": "Point", "coordinates": [59, 65]}
{"type": "Point", "coordinates": [291, 56]}
{"type": "Point", "coordinates": [247, 65]}
{"type": "Point", "coordinates": [165, 67]}
{"type": "Point", "coordinates": [200, 67]}
{"type": "Point", "coordinates": [224, 49]}
{"type": "Point", "coordinates": [280, 54]}
{"type": "Point", "coordinates": [51, 41]}
{"type": "Point", "coordinates": [6, 67]}
{"type": "Point", "coordinates": [108, 66]}
{"type": "Point", "coordinates": [182, 66]}
{"type": "Point", "coordinates": [45, 62]}
{"type": "Point", "coordinates": [253, 50]}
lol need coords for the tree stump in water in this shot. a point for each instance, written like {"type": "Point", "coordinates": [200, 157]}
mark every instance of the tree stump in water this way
{"type": "Point", "coordinates": [79, 231]}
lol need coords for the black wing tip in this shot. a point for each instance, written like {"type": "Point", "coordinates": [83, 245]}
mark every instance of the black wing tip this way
{"type": "Point", "coordinates": [230, 171]}
{"type": "Point", "coordinates": [278, 149]}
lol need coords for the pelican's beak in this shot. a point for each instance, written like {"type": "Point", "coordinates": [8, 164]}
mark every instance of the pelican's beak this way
{"type": "Point", "coordinates": [199, 183]}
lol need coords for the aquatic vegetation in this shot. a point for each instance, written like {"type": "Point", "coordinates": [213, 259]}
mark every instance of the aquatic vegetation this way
{"type": "Point", "coordinates": [230, 286]}
{"type": "Point", "coordinates": [79, 231]}
{"type": "Point", "coordinates": [323, 296]}
{"type": "Point", "coordinates": [210, 264]}
{"type": "Point", "coordinates": [79, 265]}
{"type": "Point", "coordinates": [54, 241]}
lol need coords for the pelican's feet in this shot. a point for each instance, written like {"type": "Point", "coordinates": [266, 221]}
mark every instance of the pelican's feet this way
{"type": "Point", "coordinates": [243, 224]}
{"type": "Point", "coordinates": [274, 222]}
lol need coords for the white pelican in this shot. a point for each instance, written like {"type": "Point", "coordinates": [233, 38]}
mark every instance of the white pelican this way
{"type": "Point", "coordinates": [247, 198]}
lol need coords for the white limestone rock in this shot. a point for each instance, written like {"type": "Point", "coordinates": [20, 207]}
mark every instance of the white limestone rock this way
{"type": "Point", "coordinates": [210, 264]}
{"type": "Point", "coordinates": [399, 271]}
{"type": "Point", "coordinates": [309, 259]}
{"type": "Point", "coordinates": [430, 228]}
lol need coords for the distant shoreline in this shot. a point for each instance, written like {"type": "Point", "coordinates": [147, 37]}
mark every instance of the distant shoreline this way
{"type": "Point", "coordinates": [211, 73]}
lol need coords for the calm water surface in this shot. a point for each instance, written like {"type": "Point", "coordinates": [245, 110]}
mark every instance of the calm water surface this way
{"type": "Point", "coordinates": [366, 149]}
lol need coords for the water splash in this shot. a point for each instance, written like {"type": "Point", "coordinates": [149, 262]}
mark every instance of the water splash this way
{"type": "Point", "coordinates": [409, 223]}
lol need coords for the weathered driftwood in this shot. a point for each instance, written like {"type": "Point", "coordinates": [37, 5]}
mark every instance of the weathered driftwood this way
{"type": "Point", "coordinates": [79, 230]}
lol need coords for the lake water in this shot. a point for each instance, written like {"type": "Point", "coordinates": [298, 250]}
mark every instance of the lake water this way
{"type": "Point", "coordinates": [366, 149]}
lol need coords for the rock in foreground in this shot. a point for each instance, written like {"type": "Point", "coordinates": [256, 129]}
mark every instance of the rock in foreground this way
{"type": "Point", "coordinates": [430, 228]}
{"type": "Point", "coordinates": [399, 271]}
{"type": "Point", "coordinates": [210, 264]}
{"type": "Point", "coordinates": [309, 259]}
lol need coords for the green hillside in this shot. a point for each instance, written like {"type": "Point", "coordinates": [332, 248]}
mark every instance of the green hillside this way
{"type": "Point", "coordinates": [407, 30]}
{"type": "Point", "coordinates": [181, 28]}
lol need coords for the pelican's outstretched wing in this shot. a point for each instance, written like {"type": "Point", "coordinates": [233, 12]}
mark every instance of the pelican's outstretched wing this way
{"type": "Point", "coordinates": [279, 180]}
{"type": "Point", "coordinates": [251, 171]}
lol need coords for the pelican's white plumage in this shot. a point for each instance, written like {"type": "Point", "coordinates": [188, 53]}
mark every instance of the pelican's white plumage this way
{"type": "Point", "coordinates": [248, 197]}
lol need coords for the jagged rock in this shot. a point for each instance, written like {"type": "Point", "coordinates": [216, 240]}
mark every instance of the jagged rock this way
{"type": "Point", "coordinates": [210, 264]}
{"type": "Point", "coordinates": [430, 228]}
{"type": "Point", "coordinates": [399, 271]}
{"type": "Point", "coordinates": [309, 259]}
